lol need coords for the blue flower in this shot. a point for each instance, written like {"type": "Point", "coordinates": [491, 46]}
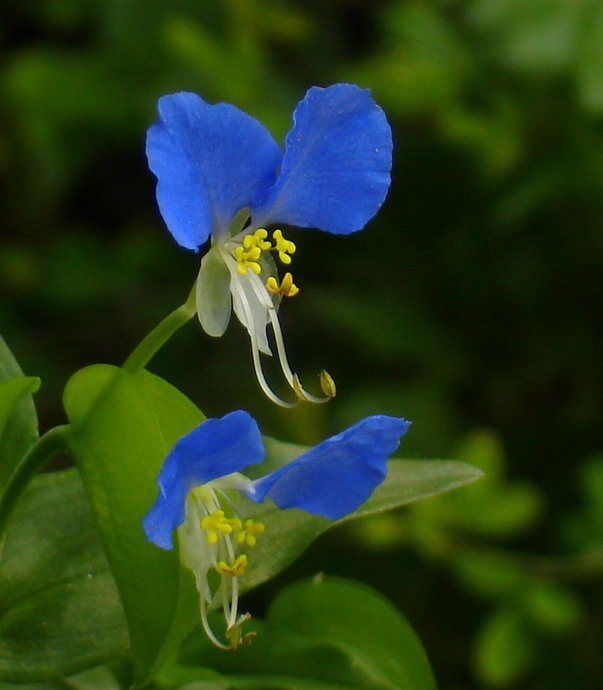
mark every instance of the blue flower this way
{"type": "Point", "coordinates": [332, 479]}
{"type": "Point", "coordinates": [220, 174]}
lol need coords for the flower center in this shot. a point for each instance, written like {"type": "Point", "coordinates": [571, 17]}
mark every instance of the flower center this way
{"type": "Point", "coordinates": [256, 291]}
{"type": "Point", "coordinates": [250, 251]}
{"type": "Point", "coordinates": [220, 538]}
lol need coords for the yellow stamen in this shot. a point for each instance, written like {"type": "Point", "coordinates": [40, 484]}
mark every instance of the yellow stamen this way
{"type": "Point", "coordinates": [287, 288]}
{"type": "Point", "coordinates": [234, 570]}
{"type": "Point", "coordinates": [215, 523]}
{"type": "Point", "coordinates": [327, 384]}
{"type": "Point", "coordinates": [298, 388]}
{"type": "Point", "coordinates": [248, 255]}
{"type": "Point", "coordinates": [234, 634]}
{"type": "Point", "coordinates": [236, 523]}
{"type": "Point", "coordinates": [283, 247]}
{"type": "Point", "coordinates": [259, 237]}
{"type": "Point", "coordinates": [248, 534]}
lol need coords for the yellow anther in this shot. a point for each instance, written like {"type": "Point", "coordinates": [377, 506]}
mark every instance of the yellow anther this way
{"type": "Point", "coordinates": [248, 259]}
{"type": "Point", "coordinates": [272, 286]}
{"type": "Point", "coordinates": [235, 636]}
{"type": "Point", "coordinates": [327, 384]}
{"type": "Point", "coordinates": [247, 256]}
{"type": "Point", "coordinates": [215, 523]}
{"type": "Point", "coordinates": [259, 237]}
{"type": "Point", "coordinates": [234, 570]}
{"type": "Point", "coordinates": [283, 247]}
{"type": "Point", "coordinates": [236, 524]}
{"type": "Point", "coordinates": [287, 288]}
{"type": "Point", "coordinates": [249, 531]}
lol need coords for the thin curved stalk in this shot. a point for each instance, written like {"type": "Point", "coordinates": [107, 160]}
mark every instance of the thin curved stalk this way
{"type": "Point", "coordinates": [156, 339]}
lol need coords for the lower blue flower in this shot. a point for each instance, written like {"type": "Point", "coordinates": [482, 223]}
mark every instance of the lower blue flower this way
{"type": "Point", "coordinates": [332, 479]}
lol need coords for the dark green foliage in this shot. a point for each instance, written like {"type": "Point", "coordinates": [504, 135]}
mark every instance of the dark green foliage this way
{"type": "Point", "coordinates": [472, 301]}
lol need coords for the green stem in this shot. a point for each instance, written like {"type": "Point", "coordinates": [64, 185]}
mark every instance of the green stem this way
{"type": "Point", "coordinates": [157, 338]}
{"type": "Point", "coordinates": [43, 450]}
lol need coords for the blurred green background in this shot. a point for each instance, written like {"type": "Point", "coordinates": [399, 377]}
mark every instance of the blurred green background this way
{"type": "Point", "coordinates": [472, 304]}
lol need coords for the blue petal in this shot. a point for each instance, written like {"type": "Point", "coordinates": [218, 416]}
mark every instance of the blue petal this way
{"type": "Point", "coordinates": [214, 449]}
{"type": "Point", "coordinates": [335, 172]}
{"type": "Point", "coordinates": [210, 161]}
{"type": "Point", "coordinates": [339, 474]}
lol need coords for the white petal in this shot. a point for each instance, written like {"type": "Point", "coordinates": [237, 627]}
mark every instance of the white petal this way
{"type": "Point", "coordinates": [195, 552]}
{"type": "Point", "coordinates": [213, 294]}
{"type": "Point", "coordinates": [250, 311]}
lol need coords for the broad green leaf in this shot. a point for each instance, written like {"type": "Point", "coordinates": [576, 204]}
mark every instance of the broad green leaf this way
{"type": "Point", "coordinates": [12, 392]}
{"type": "Point", "coordinates": [60, 610]}
{"type": "Point", "coordinates": [324, 633]}
{"type": "Point", "coordinates": [360, 622]}
{"type": "Point", "coordinates": [175, 675]}
{"type": "Point", "coordinates": [122, 426]}
{"type": "Point", "coordinates": [21, 426]}
{"type": "Point", "coordinates": [290, 531]}
{"type": "Point", "coordinates": [99, 678]}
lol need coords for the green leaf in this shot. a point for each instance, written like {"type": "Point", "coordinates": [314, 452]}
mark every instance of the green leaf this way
{"type": "Point", "coordinates": [290, 531]}
{"type": "Point", "coordinates": [552, 607]}
{"type": "Point", "coordinates": [491, 573]}
{"type": "Point", "coordinates": [504, 648]}
{"type": "Point", "coordinates": [99, 678]}
{"type": "Point", "coordinates": [60, 611]}
{"type": "Point", "coordinates": [324, 633]}
{"type": "Point", "coordinates": [361, 623]}
{"type": "Point", "coordinates": [590, 60]}
{"type": "Point", "coordinates": [495, 506]}
{"type": "Point", "coordinates": [21, 426]}
{"type": "Point", "coordinates": [539, 36]}
{"type": "Point", "coordinates": [122, 427]}
{"type": "Point", "coordinates": [12, 392]}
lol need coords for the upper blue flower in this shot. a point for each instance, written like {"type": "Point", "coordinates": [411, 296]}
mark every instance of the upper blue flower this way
{"type": "Point", "coordinates": [211, 161]}
{"type": "Point", "coordinates": [221, 174]}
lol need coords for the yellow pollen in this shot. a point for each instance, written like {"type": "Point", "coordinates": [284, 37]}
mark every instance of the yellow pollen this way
{"type": "Point", "coordinates": [283, 247]}
{"type": "Point", "coordinates": [248, 533]}
{"type": "Point", "coordinates": [234, 570]}
{"type": "Point", "coordinates": [287, 288]}
{"type": "Point", "coordinates": [215, 523]}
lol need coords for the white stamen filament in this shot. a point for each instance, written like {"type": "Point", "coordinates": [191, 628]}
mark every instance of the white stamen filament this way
{"type": "Point", "coordinates": [208, 631]}
{"type": "Point", "coordinates": [206, 503]}
{"type": "Point", "coordinates": [257, 364]}
{"type": "Point", "coordinates": [262, 294]}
